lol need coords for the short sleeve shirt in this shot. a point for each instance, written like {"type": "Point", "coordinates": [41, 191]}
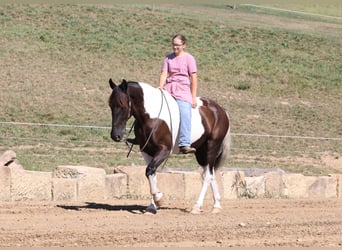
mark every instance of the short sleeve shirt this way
{"type": "Point", "coordinates": [179, 69]}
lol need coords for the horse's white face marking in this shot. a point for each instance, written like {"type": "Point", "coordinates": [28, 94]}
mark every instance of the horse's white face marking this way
{"type": "Point", "coordinates": [167, 109]}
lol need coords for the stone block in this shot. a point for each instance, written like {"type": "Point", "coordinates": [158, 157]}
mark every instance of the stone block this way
{"type": "Point", "coordinates": [116, 186]}
{"type": "Point", "coordinates": [137, 183]}
{"type": "Point", "coordinates": [219, 179]}
{"type": "Point", "coordinates": [31, 186]}
{"type": "Point", "coordinates": [192, 185]}
{"type": "Point", "coordinates": [7, 157]}
{"type": "Point", "coordinates": [172, 185]}
{"type": "Point", "coordinates": [5, 184]}
{"type": "Point", "coordinates": [90, 181]}
{"type": "Point", "coordinates": [323, 187]}
{"type": "Point", "coordinates": [233, 184]}
{"type": "Point", "coordinates": [255, 187]}
{"type": "Point", "coordinates": [296, 185]}
{"type": "Point", "coordinates": [15, 165]}
{"type": "Point", "coordinates": [64, 189]}
{"type": "Point", "coordinates": [338, 178]}
{"type": "Point", "coordinates": [186, 184]}
{"type": "Point", "coordinates": [273, 185]}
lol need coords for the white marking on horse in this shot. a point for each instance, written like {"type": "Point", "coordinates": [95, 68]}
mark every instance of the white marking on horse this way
{"type": "Point", "coordinates": [167, 110]}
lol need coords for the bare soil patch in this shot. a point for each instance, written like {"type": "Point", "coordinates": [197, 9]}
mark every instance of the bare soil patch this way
{"type": "Point", "coordinates": [261, 222]}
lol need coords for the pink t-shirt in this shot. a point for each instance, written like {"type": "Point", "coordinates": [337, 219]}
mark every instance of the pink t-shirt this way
{"type": "Point", "coordinates": [179, 69]}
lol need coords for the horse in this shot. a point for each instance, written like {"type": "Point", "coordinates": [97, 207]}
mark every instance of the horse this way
{"type": "Point", "coordinates": [156, 129]}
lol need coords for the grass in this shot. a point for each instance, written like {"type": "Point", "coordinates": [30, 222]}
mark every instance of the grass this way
{"type": "Point", "coordinates": [276, 74]}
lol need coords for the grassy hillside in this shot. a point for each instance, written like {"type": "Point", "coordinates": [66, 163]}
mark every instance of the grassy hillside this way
{"type": "Point", "coordinates": [276, 74]}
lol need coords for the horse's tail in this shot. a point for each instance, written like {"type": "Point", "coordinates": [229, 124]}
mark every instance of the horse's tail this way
{"type": "Point", "coordinates": [225, 149]}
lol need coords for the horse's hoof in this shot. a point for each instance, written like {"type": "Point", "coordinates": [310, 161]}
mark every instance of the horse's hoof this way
{"type": "Point", "coordinates": [216, 210]}
{"type": "Point", "coordinates": [150, 212]}
{"type": "Point", "coordinates": [196, 210]}
{"type": "Point", "coordinates": [151, 209]}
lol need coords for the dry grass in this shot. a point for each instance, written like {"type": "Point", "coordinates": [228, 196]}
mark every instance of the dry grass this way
{"type": "Point", "coordinates": [275, 75]}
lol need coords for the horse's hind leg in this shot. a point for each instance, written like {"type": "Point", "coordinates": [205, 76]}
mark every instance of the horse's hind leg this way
{"type": "Point", "coordinates": [217, 197]}
{"type": "Point", "coordinates": [207, 180]}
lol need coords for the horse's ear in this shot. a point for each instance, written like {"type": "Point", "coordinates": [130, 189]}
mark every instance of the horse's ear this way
{"type": "Point", "coordinates": [124, 85]}
{"type": "Point", "coordinates": [112, 84]}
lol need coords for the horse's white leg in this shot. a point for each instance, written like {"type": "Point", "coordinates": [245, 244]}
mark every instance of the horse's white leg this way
{"type": "Point", "coordinates": [207, 179]}
{"type": "Point", "coordinates": [217, 197]}
{"type": "Point", "coordinates": [156, 199]}
{"type": "Point", "coordinates": [156, 194]}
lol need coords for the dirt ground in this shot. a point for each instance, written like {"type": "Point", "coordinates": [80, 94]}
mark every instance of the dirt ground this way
{"type": "Point", "coordinates": [259, 222]}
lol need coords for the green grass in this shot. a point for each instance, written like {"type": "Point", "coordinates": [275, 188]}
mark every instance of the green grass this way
{"type": "Point", "coordinates": [276, 74]}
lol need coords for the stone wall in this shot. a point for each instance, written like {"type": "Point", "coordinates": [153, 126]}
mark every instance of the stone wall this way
{"type": "Point", "coordinates": [82, 183]}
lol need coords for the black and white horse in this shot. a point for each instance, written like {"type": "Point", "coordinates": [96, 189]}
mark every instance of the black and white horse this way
{"type": "Point", "coordinates": [156, 129]}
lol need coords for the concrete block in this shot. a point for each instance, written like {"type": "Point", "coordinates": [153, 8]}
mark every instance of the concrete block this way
{"type": "Point", "coordinates": [116, 186]}
{"type": "Point", "coordinates": [296, 185]}
{"type": "Point", "coordinates": [64, 189]}
{"type": "Point", "coordinates": [137, 183]}
{"type": "Point", "coordinates": [323, 187]}
{"type": "Point", "coordinates": [233, 184]}
{"type": "Point", "coordinates": [90, 181]}
{"type": "Point", "coordinates": [31, 186]}
{"type": "Point", "coordinates": [255, 187]}
{"type": "Point", "coordinates": [5, 184]}
{"type": "Point", "coordinates": [273, 185]}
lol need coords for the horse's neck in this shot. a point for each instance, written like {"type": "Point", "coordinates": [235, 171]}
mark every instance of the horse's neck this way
{"type": "Point", "coordinates": [142, 102]}
{"type": "Point", "coordinates": [151, 99]}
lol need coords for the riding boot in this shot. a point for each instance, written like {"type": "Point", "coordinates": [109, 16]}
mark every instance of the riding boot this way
{"type": "Point", "coordinates": [187, 150]}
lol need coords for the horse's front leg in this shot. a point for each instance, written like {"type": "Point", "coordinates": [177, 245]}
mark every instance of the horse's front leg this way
{"type": "Point", "coordinates": [151, 169]}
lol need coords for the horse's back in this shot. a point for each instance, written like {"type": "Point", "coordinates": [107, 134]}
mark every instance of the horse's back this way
{"type": "Point", "coordinates": [160, 104]}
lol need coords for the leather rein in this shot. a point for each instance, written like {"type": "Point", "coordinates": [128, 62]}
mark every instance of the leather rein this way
{"type": "Point", "coordinates": [153, 129]}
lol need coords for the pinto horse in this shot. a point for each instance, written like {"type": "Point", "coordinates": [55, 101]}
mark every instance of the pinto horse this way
{"type": "Point", "coordinates": [156, 129]}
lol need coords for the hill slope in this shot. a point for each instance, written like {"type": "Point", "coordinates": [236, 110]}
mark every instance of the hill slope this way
{"type": "Point", "coordinates": [275, 75]}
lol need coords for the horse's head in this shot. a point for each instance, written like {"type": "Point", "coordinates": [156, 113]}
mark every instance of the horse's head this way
{"type": "Point", "coordinates": [120, 105]}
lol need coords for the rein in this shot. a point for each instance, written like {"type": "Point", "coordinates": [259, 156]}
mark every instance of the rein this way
{"type": "Point", "coordinates": [152, 130]}
{"type": "Point", "coordinates": [130, 146]}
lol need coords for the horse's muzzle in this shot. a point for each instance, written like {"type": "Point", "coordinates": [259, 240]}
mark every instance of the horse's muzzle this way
{"type": "Point", "coordinates": [116, 137]}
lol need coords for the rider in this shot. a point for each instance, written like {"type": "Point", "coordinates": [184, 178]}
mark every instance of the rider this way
{"type": "Point", "coordinates": [179, 78]}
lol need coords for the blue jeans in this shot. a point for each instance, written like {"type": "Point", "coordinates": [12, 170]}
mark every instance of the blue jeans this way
{"type": "Point", "coordinates": [185, 110]}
